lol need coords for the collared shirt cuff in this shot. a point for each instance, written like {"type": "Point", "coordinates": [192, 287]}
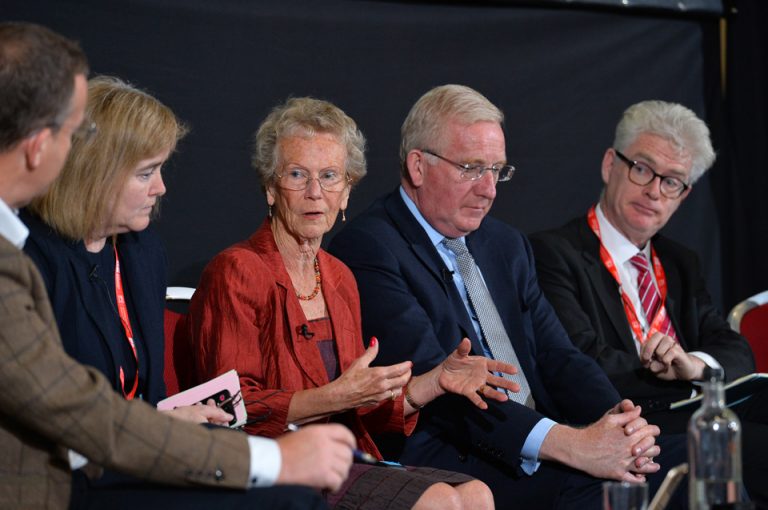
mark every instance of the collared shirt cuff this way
{"type": "Point", "coordinates": [706, 358]}
{"type": "Point", "coordinates": [76, 461]}
{"type": "Point", "coordinates": [266, 461]}
{"type": "Point", "coordinates": [529, 455]}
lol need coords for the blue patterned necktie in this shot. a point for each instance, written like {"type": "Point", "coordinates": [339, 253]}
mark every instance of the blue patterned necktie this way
{"type": "Point", "coordinates": [490, 322]}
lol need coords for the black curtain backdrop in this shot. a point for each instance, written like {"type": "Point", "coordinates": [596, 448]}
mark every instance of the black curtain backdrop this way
{"type": "Point", "coordinates": [741, 196]}
{"type": "Point", "coordinates": [562, 76]}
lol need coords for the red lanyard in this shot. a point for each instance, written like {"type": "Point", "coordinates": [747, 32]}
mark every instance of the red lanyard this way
{"type": "Point", "coordinates": [122, 310]}
{"type": "Point", "coordinates": [629, 310]}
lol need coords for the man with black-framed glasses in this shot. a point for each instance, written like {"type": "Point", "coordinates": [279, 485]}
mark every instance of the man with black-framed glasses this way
{"type": "Point", "coordinates": [635, 300]}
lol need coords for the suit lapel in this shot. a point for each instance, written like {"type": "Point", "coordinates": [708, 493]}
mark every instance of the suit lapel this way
{"type": "Point", "coordinates": [506, 297]}
{"type": "Point", "coordinates": [94, 295]}
{"type": "Point", "coordinates": [342, 316]}
{"type": "Point", "coordinates": [502, 288]}
{"type": "Point", "coordinates": [414, 234]}
{"type": "Point", "coordinates": [139, 268]}
{"type": "Point", "coordinates": [605, 286]}
{"type": "Point", "coordinates": [422, 247]}
{"type": "Point", "coordinates": [674, 288]}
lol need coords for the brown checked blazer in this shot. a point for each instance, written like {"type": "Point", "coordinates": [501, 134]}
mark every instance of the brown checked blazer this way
{"type": "Point", "coordinates": [50, 403]}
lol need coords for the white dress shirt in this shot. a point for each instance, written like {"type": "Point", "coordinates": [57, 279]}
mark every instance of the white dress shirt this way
{"type": "Point", "coordinates": [11, 227]}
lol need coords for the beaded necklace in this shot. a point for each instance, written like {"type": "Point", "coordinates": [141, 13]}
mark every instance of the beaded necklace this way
{"type": "Point", "coordinates": [318, 282]}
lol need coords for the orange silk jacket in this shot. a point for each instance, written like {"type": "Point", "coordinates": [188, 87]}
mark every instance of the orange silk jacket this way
{"type": "Point", "coordinates": [245, 315]}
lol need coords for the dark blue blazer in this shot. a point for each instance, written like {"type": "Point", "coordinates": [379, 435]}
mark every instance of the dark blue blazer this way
{"type": "Point", "coordinates": [76, 298]}
{"type": "Point", "coordinates": [418, 315]}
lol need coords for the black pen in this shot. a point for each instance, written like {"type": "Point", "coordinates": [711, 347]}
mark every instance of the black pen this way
{"type": "Point", "coordinates": [357, 454]}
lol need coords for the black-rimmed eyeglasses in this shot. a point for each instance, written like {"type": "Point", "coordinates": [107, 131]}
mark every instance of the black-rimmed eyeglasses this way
{"type": "Point", "coordinates": [642, 175]}
{"type": "Point", "coordinates": [470, 172]}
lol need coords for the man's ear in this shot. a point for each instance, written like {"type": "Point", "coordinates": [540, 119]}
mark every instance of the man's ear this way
{"type": "Point", "coordinates": [686, 193]}
{"type": "Point", "coordinates": [35, 146]}
{"type": "Point", "coordinates": [608, 159]}
{"type": "Point", "coordinates": [415, 164]}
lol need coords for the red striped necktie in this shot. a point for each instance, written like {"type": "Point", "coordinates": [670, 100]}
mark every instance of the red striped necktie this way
{"type": "Point", "coordinates": [649, 294]}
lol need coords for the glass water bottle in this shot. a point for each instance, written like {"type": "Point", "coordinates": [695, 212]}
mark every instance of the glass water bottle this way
{"type": "Point", "coordinates": [714, 449]}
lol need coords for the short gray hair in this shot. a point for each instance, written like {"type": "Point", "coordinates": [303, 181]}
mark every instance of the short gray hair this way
{"type": "Point", "coordinates": [423, 126]}
{"type": "Point", "coordinates": [673, 122]}
{"type": "Point", "coordinates": [306, 116]}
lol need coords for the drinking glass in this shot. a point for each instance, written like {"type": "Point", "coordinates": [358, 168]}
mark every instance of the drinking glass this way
{"type": "Point", "coordinates": [625, 496]}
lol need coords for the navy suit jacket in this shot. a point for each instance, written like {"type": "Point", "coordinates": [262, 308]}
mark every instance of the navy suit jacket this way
{"type": "Point", "coordinates": [587, 300]}
{"type": "Point", "coordinates": [418, 315]}
{"type": "Point", "coordinates": [76, 299]}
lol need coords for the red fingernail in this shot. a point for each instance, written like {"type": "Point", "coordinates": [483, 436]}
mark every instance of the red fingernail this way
{"type": "Point", "coordinates": [373, 341]}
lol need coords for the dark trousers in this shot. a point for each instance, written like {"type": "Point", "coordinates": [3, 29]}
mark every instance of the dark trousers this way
{"type": "Point", "coordinates": [552, 486]}
{"type": "Point", "coordinates": [555, 486]}
{"type": "Point", "coordinates": [147, 496]}
{"type": "Point", "coordinates": [580, 491]}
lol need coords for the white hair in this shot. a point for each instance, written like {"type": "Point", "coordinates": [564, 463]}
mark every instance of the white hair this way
{"type": "Point", "coordinates": [673, 122]}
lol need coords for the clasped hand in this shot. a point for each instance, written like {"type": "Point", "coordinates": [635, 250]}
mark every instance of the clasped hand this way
{"type": "Point", "coordinates": [667, 360]}
{"type": "Point", "coordinates": [619, 446]}
{"type": "Point", "coordinates": [625, 444]}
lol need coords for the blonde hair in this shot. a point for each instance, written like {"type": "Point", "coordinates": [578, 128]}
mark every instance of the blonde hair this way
{"type": "Point", "coordinates": [131, 126]}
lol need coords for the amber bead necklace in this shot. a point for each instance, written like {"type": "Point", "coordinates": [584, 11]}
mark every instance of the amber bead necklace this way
{"type": "Point", "coordinates": [318, 284]}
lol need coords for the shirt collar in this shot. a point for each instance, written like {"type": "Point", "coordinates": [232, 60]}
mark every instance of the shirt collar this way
{"type": "Point", "coordinates": [11, 226]}
{"type": "Point", "coordinates": [434, 236]}
{"type": "Point", "coordinates": [619, 247]}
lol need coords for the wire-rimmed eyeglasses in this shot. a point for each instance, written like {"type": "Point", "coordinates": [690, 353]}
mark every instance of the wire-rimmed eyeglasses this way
{"type": "Point", "coordinates": [473, 172]}
{"type": "Point", "coordinates": [298, 179]}
{"type": "Point", "coordinates": [85, 131]}
{"type": "Point", "coordinates": [642, 175]}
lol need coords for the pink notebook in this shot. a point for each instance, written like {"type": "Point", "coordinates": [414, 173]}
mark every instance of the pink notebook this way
{"type": "Point", "coordinates": [224, 390]}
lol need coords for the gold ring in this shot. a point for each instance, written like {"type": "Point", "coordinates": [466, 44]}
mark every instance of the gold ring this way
{"type": "Point", "coordinates": [392, 395]}
{"type": "Point", "coordinates": [480, 391]}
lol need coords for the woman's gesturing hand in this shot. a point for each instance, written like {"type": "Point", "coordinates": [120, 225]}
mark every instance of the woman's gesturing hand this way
{"type": "Point", "coordinates": [363, 385]}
